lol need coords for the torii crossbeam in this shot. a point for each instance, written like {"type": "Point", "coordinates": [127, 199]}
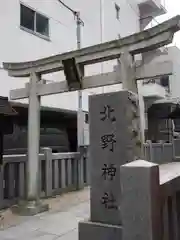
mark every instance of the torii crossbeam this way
{"type": "Point", "coordinates": [124, 49]}
{"type": "Point", "coordinates": [147, 40]}
{"type": "Point", "coordinates": [144, 41]}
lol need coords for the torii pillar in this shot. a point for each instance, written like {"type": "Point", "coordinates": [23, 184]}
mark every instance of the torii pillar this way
{"type": "Point", "coordinates": [32, 205]}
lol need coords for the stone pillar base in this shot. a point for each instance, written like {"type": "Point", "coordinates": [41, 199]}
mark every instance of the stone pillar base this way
{"type": "Point", "coordinates": [98, 231]}
{"type": "Point", "coordinates": [29, 208]}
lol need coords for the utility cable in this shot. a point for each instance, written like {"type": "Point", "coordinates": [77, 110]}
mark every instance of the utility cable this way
{"type": "Point", "coordinates": [75, 13]}
{"type": "Point", "coordinates": [66, 6]}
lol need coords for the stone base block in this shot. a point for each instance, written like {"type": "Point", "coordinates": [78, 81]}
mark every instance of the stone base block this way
{"type": "Point", "coordinates": [98, 231]}
{"type": "Point", "coordinates": [31, 208]}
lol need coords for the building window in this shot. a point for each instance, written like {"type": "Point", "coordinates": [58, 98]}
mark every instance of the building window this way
{"type": "Point", "coordinates": [27, 17]}
{"type": "Point", "coordinates": [117, 8]}
{"type": "Point", "coordinates": [164, 81]}
{"type": "Point", "coordinates": [86, 118]}
{"type": "Point", "coordinates": [42, 24]}
{"type": "Point", "coordinates": [34, 21]}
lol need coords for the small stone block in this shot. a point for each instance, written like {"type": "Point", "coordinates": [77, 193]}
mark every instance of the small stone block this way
{"type": "Point", "coordinates": [29, 208]}
{"type": "Point", "coordinates": [140, 163]}
{"type": "Point", "coordinates": [99, 231]}
{"type": "Point", "coordinates": [140, 205]}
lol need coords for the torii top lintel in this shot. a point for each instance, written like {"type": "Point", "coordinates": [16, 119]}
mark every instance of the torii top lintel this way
{"type": "Point", "coordinates": [144, 41]}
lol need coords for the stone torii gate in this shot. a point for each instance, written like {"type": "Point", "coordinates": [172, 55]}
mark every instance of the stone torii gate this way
{"type": "Point", "coordinates": [124, 48]}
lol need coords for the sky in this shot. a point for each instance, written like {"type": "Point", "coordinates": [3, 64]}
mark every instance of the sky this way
{"type": "Point", "coordinates": [173, 9]}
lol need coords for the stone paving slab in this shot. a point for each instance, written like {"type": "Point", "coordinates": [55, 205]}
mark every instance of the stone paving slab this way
{"type": "Point", "coordinates": [60, 223]}
{"type": "Point", "coordinates": [73, 235]}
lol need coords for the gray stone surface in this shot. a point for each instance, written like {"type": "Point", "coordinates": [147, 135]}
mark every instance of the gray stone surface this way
{"type": "Point", "coordinates": [159, 153]}
{"type": "Point", "coordinates": [141, 203]}
{"type": "Point", "coordinates": [38, 235]}
{"type": "Point", "coordinates": [99, 231]}
{"type": "Point", "coordinates": [29, 208]}
{"type": "Point", "coordinates": [176, 143]}
{"type": "Point", "coordinates": [49, 225]}
{"type": "Point", "coordinates": [71, 235]}
{"type": "Point", "coordinates": [114, 121]}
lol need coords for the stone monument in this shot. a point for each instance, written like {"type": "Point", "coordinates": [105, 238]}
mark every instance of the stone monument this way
{"type": "Point", "coordinates": [114, 141]}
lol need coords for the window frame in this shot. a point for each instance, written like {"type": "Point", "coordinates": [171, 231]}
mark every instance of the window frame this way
{"type": "Point", "coordinates": [35, 32]}
{"type": "Point", "coordinates": [35, 22]}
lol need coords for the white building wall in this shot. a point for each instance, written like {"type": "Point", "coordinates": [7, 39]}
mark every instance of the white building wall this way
{"type": "Point", "coordinates": [128, 22]}
{"type": "Point", "coordinates": [19, 45]}
{"type": "Point", "coordinates": [171, 54]}
{"type": "Point", "coordinates": [174, 54]}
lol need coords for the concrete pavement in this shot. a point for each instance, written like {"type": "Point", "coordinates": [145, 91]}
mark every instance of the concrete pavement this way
{"type": "Point", "coordinates": [60, 223]}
